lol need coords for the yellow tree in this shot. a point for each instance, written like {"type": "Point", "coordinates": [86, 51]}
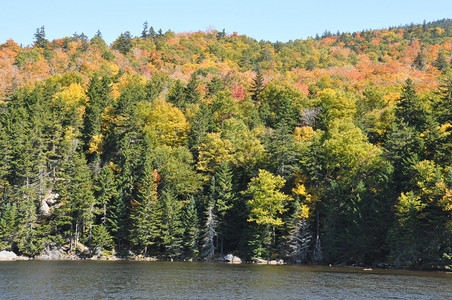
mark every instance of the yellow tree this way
{"type": "Point", "coordinates": [71, 103]}
{"type": "Point", "coordinates": [236, 144]}
{"type": "Point", "coordinates": [267, 203]}
{"type": "Point", "coordinates": [165, 122]}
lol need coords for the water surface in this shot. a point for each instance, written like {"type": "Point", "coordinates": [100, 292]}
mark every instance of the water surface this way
{"type": "Point", "coordinates": [166, 280]}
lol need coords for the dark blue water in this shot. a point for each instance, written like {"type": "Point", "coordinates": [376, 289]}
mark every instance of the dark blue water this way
{"type": "Point", "coordinates": [166, 280]}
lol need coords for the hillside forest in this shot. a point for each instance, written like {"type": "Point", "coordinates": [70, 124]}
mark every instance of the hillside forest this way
{"type": "Point", "coordinates": [332, 149]}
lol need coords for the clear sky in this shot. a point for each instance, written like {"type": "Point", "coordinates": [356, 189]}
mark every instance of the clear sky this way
{"type": "Point", "coordinates": [276, 20]}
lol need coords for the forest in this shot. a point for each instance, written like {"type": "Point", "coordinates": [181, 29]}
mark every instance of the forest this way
{"type": "Point", "coordinates": [332, 149]}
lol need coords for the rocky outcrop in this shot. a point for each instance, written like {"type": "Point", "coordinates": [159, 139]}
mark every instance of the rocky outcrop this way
{"type": "Point", "coordinates": [47, 202]}
{"type": "Point", "coordinates": [50, 253]}
{"type": "Point", "coordinates": [7, 256]}
{"type": "Point", "coordinates": [232, 259]}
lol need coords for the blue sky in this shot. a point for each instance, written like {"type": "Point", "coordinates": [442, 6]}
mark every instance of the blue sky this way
{"type": "Point", "coordinates": [276, 20]}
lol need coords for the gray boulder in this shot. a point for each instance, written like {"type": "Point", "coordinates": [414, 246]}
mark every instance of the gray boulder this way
{"type": "Point", "coordinates": [259, 261]}
{"type": "Point", "coordinates": [50, 253]}
{"type": "Point", "coordinates": [232, 259]}
{"type": "Point", "coordinates": [7, 256]}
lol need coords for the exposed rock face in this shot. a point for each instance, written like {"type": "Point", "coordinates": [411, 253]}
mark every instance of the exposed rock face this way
{"type": "Point", "coordinates": [50, 253]}
{"type": "Point", "coordinates": [47, 202]}
{"type": "Point", "coordinates": [232, 259]}
{"type": "Point", "coordinates": [7, 256]}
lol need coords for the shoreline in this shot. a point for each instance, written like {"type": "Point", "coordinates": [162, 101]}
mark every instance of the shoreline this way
{"type": "Point", "coordinates": [263, 262]}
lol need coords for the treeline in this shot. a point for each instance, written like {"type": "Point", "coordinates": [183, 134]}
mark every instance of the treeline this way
{"type": "Point", "coordinates": [336, 149]}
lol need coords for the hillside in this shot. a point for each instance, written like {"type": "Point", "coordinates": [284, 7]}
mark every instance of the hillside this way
{"type": "Point", "coordinates": [178, 145]}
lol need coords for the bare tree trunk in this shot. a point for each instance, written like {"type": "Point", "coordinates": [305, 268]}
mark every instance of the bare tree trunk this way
{"type": "Point", "coordinates": [76, 236]}
{"type": "Point", "coordinates": [318, 257]}
{"type": "Point", "coordinates": [70, 244]}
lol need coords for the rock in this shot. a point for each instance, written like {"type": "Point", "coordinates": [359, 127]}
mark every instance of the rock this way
{"type": "Point", "coordinates": [22, 258]}
{"type": "Point", "coordinates": [276, 262]}
{"type": "Point", "coordinates": [232, 259]}
{"type": "Point", "coordinates": [382, 265]}
{"type": "Point", "coordinates": [44, 209]}
{"type": "Point", "coordinates": [228, 257]}
{"type": "Point", "coordinates": [7, 256]}
{"type": "Point", "coordinates": [47, 202]}
{"type": "Point", "coordinates": [259, 261]}
{"type": "Point", "coordinates": [50, 255]}
{"type": "Point", "coordinates": [51, 252]}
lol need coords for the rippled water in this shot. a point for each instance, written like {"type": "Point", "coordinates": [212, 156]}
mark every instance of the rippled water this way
{"type": "Point", "coordinates": [166, 280]}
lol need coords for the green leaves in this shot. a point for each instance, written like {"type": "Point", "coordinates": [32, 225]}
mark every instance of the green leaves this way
{"type": "Point", "coordinates": [267, 203]}
{"type": "Point", "coordinates": [166, 123]}
{"type": "Point", "coordinates": [347, 151]}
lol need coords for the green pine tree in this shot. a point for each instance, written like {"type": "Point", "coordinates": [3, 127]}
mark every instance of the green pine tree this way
{"type": "Point", "coordinates": [191, 230]}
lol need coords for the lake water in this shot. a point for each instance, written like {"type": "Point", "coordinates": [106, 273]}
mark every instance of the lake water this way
{"type": "Point", "coordinates": [173, 280]}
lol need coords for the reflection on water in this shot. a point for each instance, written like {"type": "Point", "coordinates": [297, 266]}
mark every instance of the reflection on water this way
{"type": "Point", "coordinates": [165, 280]}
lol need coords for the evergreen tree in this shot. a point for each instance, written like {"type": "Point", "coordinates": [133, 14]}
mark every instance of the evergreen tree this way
{"type": "Point", "coordinates": [404, 148]}
{"type": "Point", "coordinates": [152, 33]}
{"type": "Point", "coordinates": [99, 94]}
{"type": "Point", "coordinates": [106, 192]}
{"type": "Point", "coordinates": [118, 220]}
{"type": "Point", "coordinates": [300, 236]}
{"type": "Point", "coordinates": [123, 43]}
{"type": "Point", "coordinates": [419, 61]}
{"type": "Point", "coordinates": [155, 86]}
{"type": "Point", "coordinates": [191, 93]}
{"type": "Point", "coordinates": [176, 94]}
{"type": "Point", "coordinates": [191, 230]}
{"type": "Point", "coordinates": [215, 85]}
{"type": "Point", "coordinates": [101, 239]}
{"type": "Point", "coordinates": [283, 151]}
{"type": "Point", "coordinates": [143, 211]}
{"type": "Point", "coordinates": [144, 33]}
{"type": "Point", "coordinates": [5, 160]}
{"type": "Point", "coordinates": [75, 214]}
{"type": "Point", "coordinates": [441, 62]}
{"type": "Point", "coordinates": [132, 94]}
{"type": "Point", "coordinates": [171, 230]}
{"type": "Point", "coordinates": [257, 86]}
{"type": "Point", "coordinates": [40, 38]}
{"type": "Point", "coordinates": [201, 124]}
{"type": "Point", "coordinates": [98, 34]}
{"type": "Point", "coordinates": [409, 108]}
{"type": "Point", "coordinates": [443, 109]}
{"type": "Point", "coordinates": [224, 201]}
{"type": "Point", "coordinates": [8, 226]}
